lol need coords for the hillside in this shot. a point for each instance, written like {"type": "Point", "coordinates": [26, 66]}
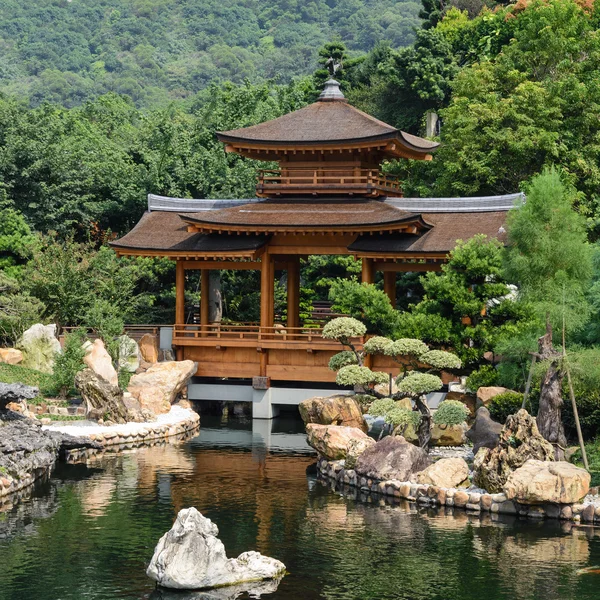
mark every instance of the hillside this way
{"type": "Point", "coordinates": [67, 51]}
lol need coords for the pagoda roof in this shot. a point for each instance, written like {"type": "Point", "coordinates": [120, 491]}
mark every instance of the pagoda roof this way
{"type": "Point", "coordinates": [330, 121]}
{"type": "Point", "coordinates": [300, 214]}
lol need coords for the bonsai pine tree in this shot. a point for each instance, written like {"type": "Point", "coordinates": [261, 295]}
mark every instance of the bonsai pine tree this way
{"type": "Point", "coordinates": [420, 367]}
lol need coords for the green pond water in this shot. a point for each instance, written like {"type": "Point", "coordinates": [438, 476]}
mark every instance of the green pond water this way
{"type": "Point", "coordinates": [90, 531]}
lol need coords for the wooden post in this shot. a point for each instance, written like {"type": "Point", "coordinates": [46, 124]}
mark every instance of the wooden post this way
{"type": "Point", "coordinates": [389, 286]}
{"type": "Point", "coordinates": [368, 272]}
{"type": "Point", "coordinates": [179, 294]}
{"type": "Point", "coordinates": [293, 293]}
{"type": "Point", "coordinates": [266, 291]}
{"type": "Point", "coordinates": [204, 298]}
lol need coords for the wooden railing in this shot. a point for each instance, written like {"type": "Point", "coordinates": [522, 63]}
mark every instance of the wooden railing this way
{"type": "Point", "coordinates": [254, 333]}
{"type": "Point", "coordinates": [369, 181]}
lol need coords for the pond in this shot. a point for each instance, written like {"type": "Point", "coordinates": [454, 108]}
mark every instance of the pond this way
{"type": "Point", "coordinates": [90, 532]}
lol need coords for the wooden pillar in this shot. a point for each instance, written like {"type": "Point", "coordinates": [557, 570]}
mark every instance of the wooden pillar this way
{"type": "Point", "coordinates": [204, 297]}
{"type": "Point", "coordinates": [179, 294]}
{"type": "Point", "coordinates": [368, 271]}
{"type": "Point", "coordinates": [389, 286]}
{"type": "Point", "coordinates": [293, 293]}
{"type": "Point", "coordinates": [266, 291]}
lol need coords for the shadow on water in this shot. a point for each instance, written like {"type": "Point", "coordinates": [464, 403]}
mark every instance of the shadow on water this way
{"type": "Point", "coordinates": [90, 532]}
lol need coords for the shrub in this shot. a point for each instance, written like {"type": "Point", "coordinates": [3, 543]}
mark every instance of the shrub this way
{"type": "Point", "coordinates": [439, 359]}
{"type": "Point", "coordinates": [451, 412]}
{"type": "Point", "coordinates": [343, 328]}
{"type": "Point", "coordinates": [19, 374]}
{"type": "Point", "coordinates": [503, 405]}
{"type": "Point", "coordinates": [405, 346]}
{"type": "Point", "coordinates": [364, 399]}
{"type": "Point", "coordinates": [355, 375]}
{"type": "Point", "coordinates": [418, 384]}
{"type": "Point", "coordinates": [68, 363]}
{"type": "Point", "coordinates": [381, 407]}
{"type": "Point", "coordinates": [399, 416]}
{"type": "Point", "coordinates": [377, 345]}
{"type": "Point", "coordinates": [342, 359]}
{"type": "Point", "coordinates": [485, 376]}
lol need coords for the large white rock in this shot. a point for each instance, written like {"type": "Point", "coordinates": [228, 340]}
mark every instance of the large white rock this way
{"type": "Point", "coordinates": [446, 473]}
{"type": "Point", "coordinates": [40, 346]}
{"type": "Point", "coordinates": [98, 360]}
{"type": "Point", "coordinates": [190, 557]}
{"type": "Point", "coordinates": [157, 388]}
{"type": "Point", "coordinates": [129, 354]}
{"type": "Point", "coordinates": [539, 481]}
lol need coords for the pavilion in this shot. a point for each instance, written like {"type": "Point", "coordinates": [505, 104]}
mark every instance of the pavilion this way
{"type": "Point", "coordinates": [328, 197]}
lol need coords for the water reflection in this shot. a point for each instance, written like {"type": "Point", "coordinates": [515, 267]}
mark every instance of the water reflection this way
{"type": "Point", "coordinates": [252, 590]}
{"type": "Point", "coordinates": [90, 532]}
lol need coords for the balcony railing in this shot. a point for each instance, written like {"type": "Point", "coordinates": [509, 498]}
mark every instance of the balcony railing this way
{"type": "Point", "coordinates": [368, 182]}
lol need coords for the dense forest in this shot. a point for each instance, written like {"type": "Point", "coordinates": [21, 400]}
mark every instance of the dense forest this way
{"type": "Point", "coordinates": [68, 51]}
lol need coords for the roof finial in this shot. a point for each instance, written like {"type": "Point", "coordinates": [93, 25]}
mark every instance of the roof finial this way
{"type": "Point", "coordinates": [331, 92]}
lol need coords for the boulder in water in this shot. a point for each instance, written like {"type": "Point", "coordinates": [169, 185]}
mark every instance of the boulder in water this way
{"type": "Point", "coordinates": [519, 442]}
{"type": "Point", "coordinates": [392, 458]}
{"type": "Point", "coordinates": [446, 473]}
{"type": "Point", "coordinates": [332, 441]}
{"type": "Point", "coordinates": [334, 410]}
{"type": "Point", "coordinates": [191, 557]}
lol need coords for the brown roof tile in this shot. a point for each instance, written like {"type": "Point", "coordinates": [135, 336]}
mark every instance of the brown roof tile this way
{"type": "Point", "coordinates": [325, 123]}
{"type": "Point", "coordinates": [447, 229]}
{"type": "Point", "coordinates": [304, 213]}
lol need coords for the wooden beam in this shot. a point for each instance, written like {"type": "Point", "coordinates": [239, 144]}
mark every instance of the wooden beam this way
{"type": "Point", "coordinates": [200, 265]}
{"type": "Point", "coordinates": [389, 286]}
{"type": "Point", "coordinates": [368, 272]}
{"type": "Point", "coordinates": [204, 296]}
{"type": "Point", "coordinates": [179, 293]}
{"type": "Point", "coordinates": [404, 267]}
{"type": "Point", "coordinates": [293, 293]}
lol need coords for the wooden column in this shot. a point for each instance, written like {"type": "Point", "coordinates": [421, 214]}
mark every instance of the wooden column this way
{"type": "Point", "coordinates": [179, 293]}
{"type": "Point", "coordinates": [368, 271]}
{"type": "Point", "coordinates": [389, 286]}
{"type": "Point", "coordinates": [204, 297]}
{"type": "Point", "coordinates": [293, 293]}
{"type": "Point", "coordinates": [266, 291]}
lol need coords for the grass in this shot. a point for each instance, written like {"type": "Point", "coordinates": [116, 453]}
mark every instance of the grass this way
{"type": "Point", "coordinates": [592, 449]}
{"type": "Point", "coordinates": [19, 374]}
{"type": "Point", "coordinates": [62, 417]}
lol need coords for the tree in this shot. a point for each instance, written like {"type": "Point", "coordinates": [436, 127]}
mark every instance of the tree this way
{"type": "Point", "coordinates": [16, 241]}
{"type": "Point", "coordinates": [411, 355]}
{"type": "Point", "coordinates": [18, 310]}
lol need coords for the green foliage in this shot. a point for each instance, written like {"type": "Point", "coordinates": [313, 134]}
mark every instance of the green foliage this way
{"type": "Point", "coordinates": [381, 407]}
{"type": "Point", "coordinates": [343, 329]}
{"type": "Point", "coordinates": [451, 412]}
{"type": "Point", "coordinates": [355, 375]}
{"type": "Point", "coordinates": [419, 384]}
{"type": "Point", "coordinates": [549, 256]}
{"type": "Point", "coordinates": [503, 405]}
{"type": "Point", "coordinates": [402, 417]}
{"type": "Point", "coordinates": [19, 374]}
{"type": "Point", "coordinates": [485, 376]}
{"type": "Point", "coordinates": [68, 363]}
{"type": "Point", "coordinates": [124, 378]}
{"type": "Point", "coordinates": [441, 360]}
{"type": "Point", "coordinates": [16, 241]}
{"type": "Point", "coordinates": [158, 51]}
{"type": "Point", "coordinates": [365, 302]}
{"type": "Point", "coordinates": [18, 310]}
{"type": "Point", "coordinates": [592, 450]}
{"type": "Point", "coordinates": [342, 359]}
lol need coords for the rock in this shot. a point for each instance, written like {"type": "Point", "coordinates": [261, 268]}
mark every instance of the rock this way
{"type": "Point", "coordinates": [332, 441]}
{"type": "Point", "coordinates": [445, 473]}
{"type": "Point", "coordinates": [16, 393]}
{"type": "Point", "coordinates": [485, 394]}
{"type": "Point", "coordinates": [190, 556]}
{"type": "Point", "coordinates": [103, 398]}
{"type": "Point", "coordinates": [335, 410]}
{"type": "Point", "coordinates": [485, 432]}
{"type": "Point", "coordinates": [537, 482]}
{"type": "Point", "coordinates": [39, 346]}
{"type": "Point", "coordinates": [100, 362]}
{"type": "Point", "coordinates": [129, 354]}
{"type": "Point", "coordinates": [571, 452]}
{"type": "Point", "coordinates": [158, 387]}
{"type": "Point", "coordinates": [148, 345]}
{"type": "Point", "coordinates": [355, 448]}
{"type": "Point", "coordinates": [448, 435]}
{"type": "Point", "coordinates": [520, 441]}
{"type": "Point", "coordinates": [384, 388]}
{"type": "Point", "coordinates": [11, 356]}
{"type": "Point", "coordinates": [392, 458]}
